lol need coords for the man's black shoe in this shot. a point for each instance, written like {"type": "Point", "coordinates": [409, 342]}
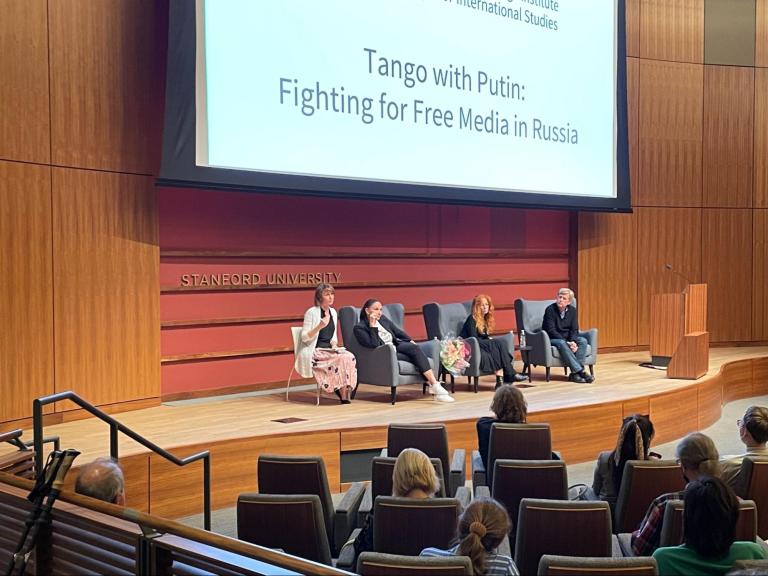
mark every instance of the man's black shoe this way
{"type": "Point", "coordinates": [587, 377]}
{"type": "Point", "coordinates": [576, 378]}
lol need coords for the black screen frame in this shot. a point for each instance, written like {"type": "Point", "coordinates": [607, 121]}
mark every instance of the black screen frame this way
{"type": "Point", "coordinates": [179, 168]}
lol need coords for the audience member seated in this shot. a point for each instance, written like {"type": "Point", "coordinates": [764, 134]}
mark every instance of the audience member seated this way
{"type": "Point", "coordinates": [710, 515]}
{"type": "Point", "coordinates": [481, 529]}
{"type": "Point", "coordinates": [334, 369]}
{"type": "Point", "coordinates": [102, 479]}
{"type": "Point", "coordinates": [375, 330]}
{"type": "Point", "coordinates": [509, 406]}
{"type": "Point", "coordinates": [561, 323]}
{"type": "Point", "coordinates": [633, 443]}
{"type": "Point", "coordinates": [494, 354]}
{"type": "Point", "coordinates": [414, 475]}
{"type": "Point", "coordinates": [753, 431]}
{"type": "Point", "coordinates": [698, 457]}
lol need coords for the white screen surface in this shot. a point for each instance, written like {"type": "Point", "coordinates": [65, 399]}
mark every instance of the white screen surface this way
{"type": "Point", "coordinates": [514, 95]}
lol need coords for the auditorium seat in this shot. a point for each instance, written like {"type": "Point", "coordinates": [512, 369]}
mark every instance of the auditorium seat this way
{"type": "Point", "coordinates": [432, 439]}
{"type": "Point", "coordinates": [379, 564]}
{"type": "Point", "coordinates": [292, 523]}
{"type": "Point", "coordinates": [407, 525]}
{"type": "Point", "coordinates": [641, 483]}
{"type": "Point", "coordinates": [380, 366]}
{"type": "Point", "coordinates": [442, 320]}
{"type": "Point", "coordinates": [290, 475]}
{"type": "Point", "coordinates": [754, 486]}
{"type": "Point", "coordinates": [551, 565]}
{"type": "Point", "coordinates": [530, 316]}
{"type": "Point", "coordinates": [514, 480]}
{"type": "Point", "coordinates": [672, 527]}
{"type": "Point", "coordinates": [382, 468]}
{"type": "Point", "coordinates": [512, 442]}
{"type": "Point", "coordinates": [565, 528]}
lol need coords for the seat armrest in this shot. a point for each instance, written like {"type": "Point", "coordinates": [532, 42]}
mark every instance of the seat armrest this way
{"type": "Point", "coordinates": [378, 365]}
{"type": "Point", "coordinates": [366, 505]}
{"type": "Point", "coordinates": [474, 357]}
{"type": "Point", "coordinates": [541, 348]}
{"type": "Point", "coordinates": [482, 492]}
{"type": "Point", "coordinates": [509, 340]}
{"type": "Point", "coordinates": [345, 518]}
{"type": "Point", "coordinates": [458, 474]}
{"type": "Point", "coordinates": [616, 551]}
{"type": "Point", "coordinates": [478, 470]}
{"type": "Point", "coordinates": [591, 336]}
{"type": "Point", "coordinates": [464, 496]}
{"type": "Point", "coordinates": [625, 543]}
{"type": "Point", "coordinates": [346, 558]}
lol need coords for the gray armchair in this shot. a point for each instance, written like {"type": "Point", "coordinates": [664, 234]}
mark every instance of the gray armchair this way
{"type": "Point", "coordinates": [442, 319]}
{"type": "Point", "coordinates": [380, 366]}
{"type": "Point", "coordinates": [530, 315]}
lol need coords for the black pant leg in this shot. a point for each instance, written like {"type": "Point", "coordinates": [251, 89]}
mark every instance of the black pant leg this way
{"type": "Point", "coordinates": [413, 354]}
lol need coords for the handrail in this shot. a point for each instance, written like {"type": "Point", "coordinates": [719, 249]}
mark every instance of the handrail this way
{"type": "Point", "coordinates": [114, 428]}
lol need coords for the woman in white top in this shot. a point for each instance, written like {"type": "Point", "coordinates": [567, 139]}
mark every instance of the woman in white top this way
{"type": "Point", "coordinates": [334, 368]}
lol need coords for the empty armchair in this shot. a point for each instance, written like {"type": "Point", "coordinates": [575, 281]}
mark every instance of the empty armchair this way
{"type": "Point", "coordinates": [529, 315]}
{"type": "Point", "coordinates": [380, 366]}
{"type": "Point", "coordinates": [294, 475]}
{"type": "Point", "coordinates": [443, 319]}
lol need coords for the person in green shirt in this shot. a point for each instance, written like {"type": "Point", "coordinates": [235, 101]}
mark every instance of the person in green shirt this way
{"type": "Point", "coordinates": [709, 526]}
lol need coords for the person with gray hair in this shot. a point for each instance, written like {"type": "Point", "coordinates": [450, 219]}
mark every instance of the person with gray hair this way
{"type": "Point", "coordinates": [561, 323]}
{"type": "Point", "coordinates": [697, 456]}
{"type": "Point", "coordinates": [753, 432]}
{"type": "Point", "coordinates": [102, 479]}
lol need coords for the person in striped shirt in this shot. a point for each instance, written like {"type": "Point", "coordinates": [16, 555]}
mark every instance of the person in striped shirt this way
{"type": "Point", "coordinates": [482, 527]}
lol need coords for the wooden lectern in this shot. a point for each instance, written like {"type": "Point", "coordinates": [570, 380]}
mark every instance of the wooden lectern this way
{"type": "Point", "coordinates": [679, 337]}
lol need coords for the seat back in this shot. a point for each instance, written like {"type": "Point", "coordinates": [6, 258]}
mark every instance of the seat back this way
{"type": "Point", "coordinates": [514, 480]}
{"type": "Point", "coordinates": [754, 482]}
{"type": "Point", "coordinates": [644, 480]}
{"type": "Point", "coordinates": [443, 319]}
{"type": "Point", "coordinates": [289, 475]}
{"type": "Point", "coordinates": [293, 523]}
{"type": "Point", "coordinates": [565, 528]}
{"type": "Point", "coordinates": [382, 468]}
{"type": "Point", "coordinates": [379, 564]}
{"type": "Point", "coordinates": [350, 315]}
{"type": "Point", "coordinates": [529, 314]}
{"type": "Point", "coordinates": [296, 337]}
{"type": "Point", "coordinates": [672, 530]}
{"type": "Point", "coordinates": [407, 525]}
{"type": "Point", "coordinates": [432, 439]}
{"type": "Point", "coordinates": [551, 565]}
{"type": "Point", "coordinates": [518, 442]}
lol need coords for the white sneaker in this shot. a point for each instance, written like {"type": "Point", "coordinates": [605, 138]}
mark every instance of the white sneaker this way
{"type": "Point", "coordinates": [440, 393]}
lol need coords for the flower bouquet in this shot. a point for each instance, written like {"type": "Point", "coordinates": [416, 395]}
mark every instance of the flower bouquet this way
{"type": "Point", "coordinates": [454, 354]}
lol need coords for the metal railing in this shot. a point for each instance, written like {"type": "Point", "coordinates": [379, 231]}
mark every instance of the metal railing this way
{"type": "Point", "coordinates": [114, 428]}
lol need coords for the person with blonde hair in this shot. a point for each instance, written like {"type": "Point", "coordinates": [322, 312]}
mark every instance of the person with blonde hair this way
{"type": "Point", "coordinates": [318, 355]}
{"type": "Point", "coordinates": [414, 476]}
{"type": "Point", "coordinates": [494, 355]}
{"type": "Point", "coordinates": [698, 457]}
{"type": "Point", "coordinates": [481, 528]}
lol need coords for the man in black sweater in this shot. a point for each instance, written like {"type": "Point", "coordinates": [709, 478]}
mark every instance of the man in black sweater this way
{"type": "Point", "coordinates": [562, 325]}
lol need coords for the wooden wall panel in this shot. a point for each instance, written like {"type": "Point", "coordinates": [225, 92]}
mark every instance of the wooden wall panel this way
{"type": "Point", "coordinates": [106, 276]}
{"type": "Point", "coordinates": [760, 377]}
{"type": "Point", "coordinates": [632, 18]}
{"type": "Point", "coordinates": [761, 32]}
{"type": "Point", "coordinates": [672, 30]}
{"type": "Point", "coordinates": [665, 236]}
{"type": "Point", "coordinates": [761, 138]}
{"type": "Point", "coordinates": [737, 380]}
{"type": "Point", "coordinates": [675, 414]}
{"type": "Point", "coordinates": [24, 122]}
{"type": "Point", "coordinates": [728, 126]}
{"type": "Point", "coordinates": [671, 108]}
{"type": "Point", "coordinates": [759, 274]}
{"type": "Point", "coordinates": [26, 297]}
{"type": "Point", "coordinates": [726, 256]}
{"type": "Point", "coordinates": [710, 401]}
{"type": "Point", "coordinates": [638, 406]}
{"type": "Point", "coordinates": [633, 124]}
{"type": "Point", "coordinates": [107, 83]}
{"type": "Point", "coordinates": [608, 275]}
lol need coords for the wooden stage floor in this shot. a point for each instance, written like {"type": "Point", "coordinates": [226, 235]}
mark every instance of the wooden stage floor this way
{"type": "Point", "coordinates": [584, 419]}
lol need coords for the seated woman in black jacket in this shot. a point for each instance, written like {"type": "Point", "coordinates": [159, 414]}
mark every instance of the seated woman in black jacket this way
{"type": "Point", "coordinates": [494, 355]}
{"type": "Point", "coordinates": [375, 330]}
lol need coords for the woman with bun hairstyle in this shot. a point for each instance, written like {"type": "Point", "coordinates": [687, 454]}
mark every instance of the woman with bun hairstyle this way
{"type": "Point", "coordinates": [482, 527]}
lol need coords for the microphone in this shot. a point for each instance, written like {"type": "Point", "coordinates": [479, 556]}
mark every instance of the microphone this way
{"type": "Point", "coordinates": [669, 267]}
